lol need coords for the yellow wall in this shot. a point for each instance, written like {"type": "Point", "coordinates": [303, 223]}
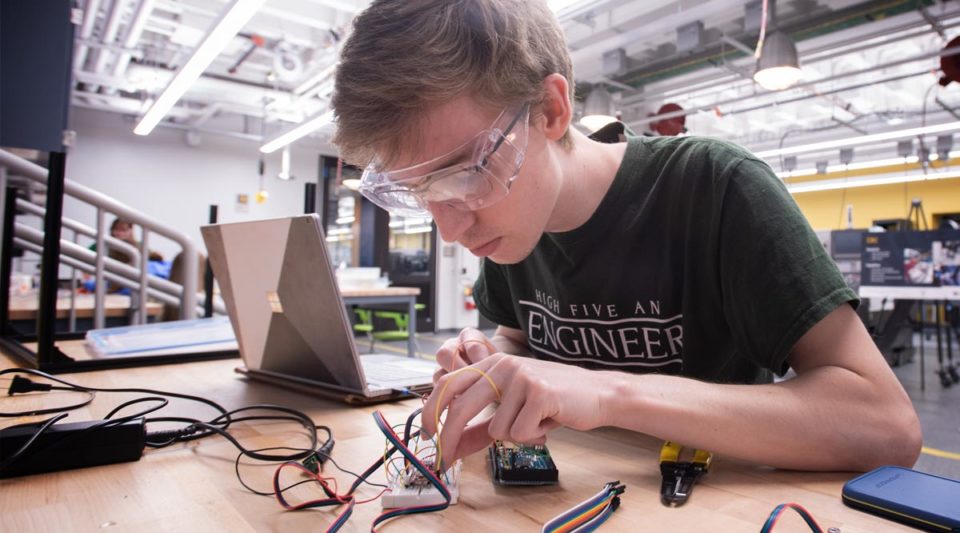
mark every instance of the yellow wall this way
{"type": "Point", "coordinates": [827, 209]}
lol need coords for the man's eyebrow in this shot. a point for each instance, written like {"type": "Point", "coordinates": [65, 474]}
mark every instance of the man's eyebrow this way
{"type": "Point", "coordinates": [456, 159]}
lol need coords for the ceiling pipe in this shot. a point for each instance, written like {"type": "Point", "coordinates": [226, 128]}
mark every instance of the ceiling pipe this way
{"type": "Point", "coordinates": [117, 105]}
{"type": "Point", "coordinates": [820, 24]}
{"type": "Point", "coordinates": [590, 50]}
{"type": "Point", "coordinates": [941, 53]}
{"type": "Point", "coordinates": [86, 30]}
{"type": "Point", "coordinates": [109, 36]}
{"type": "Point", "coordinates": [232, 91]}
{"type": "Point", "coordinates": [574, 14]}
{"type": "Point", "coordinates": [809, 57]}
{"type": "Point", "coordinates": [133, 34]}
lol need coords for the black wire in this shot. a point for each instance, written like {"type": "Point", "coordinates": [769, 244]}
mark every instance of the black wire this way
{"type": "Point", "coordinates": [192, 431]}
{"type": "Point", "coordinates": [162, 401]}
{"type": "Point", "coordinates": [195, 429]}
{"type": "Point", "coordinates": [409, 425]}
{"type": "Point", "coordinates": [52, 410]}
{"type": "Point", "coordinates": [236, 467]}
{"type": "Point", "coordinates": [16, 455]}
{"type": "Point", "coordinates": [74, 386]}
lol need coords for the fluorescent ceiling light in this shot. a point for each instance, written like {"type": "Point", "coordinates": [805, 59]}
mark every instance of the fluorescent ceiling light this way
{"type": "Point", "coordinates": [863, 139]}
{"type": "Point", "coordinates": [233, 19]}
{"type": "Point", "coordinates": [878, 163]}
{"type": "Point", "coordinates": [830, 185]}
{"type": "Point", "coordinates": [300, 130]}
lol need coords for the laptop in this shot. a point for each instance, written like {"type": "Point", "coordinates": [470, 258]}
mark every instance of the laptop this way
{"type": "Point", "coordinates": [279, 287]}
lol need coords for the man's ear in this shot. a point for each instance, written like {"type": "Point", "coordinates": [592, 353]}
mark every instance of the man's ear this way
{"type": "Point", "coordinates": [556, 109]}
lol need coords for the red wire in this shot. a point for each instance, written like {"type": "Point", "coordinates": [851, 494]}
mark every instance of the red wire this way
{"type": "Point", "coordinates": [361, 502]}
{"type": "Point", "coordinates": [347, 499]}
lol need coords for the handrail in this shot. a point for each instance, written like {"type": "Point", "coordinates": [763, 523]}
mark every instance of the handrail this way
{"type": "Point", "coordinates": [78, 252]}
{"type": "Point", "coordinates": [32, 239]}
{"type": "Point", "coordinates": [83, 229]}
{"type": "Point", "coordinates": [89, 269]}
{"type": "Point", "coordinates": [188, 297]}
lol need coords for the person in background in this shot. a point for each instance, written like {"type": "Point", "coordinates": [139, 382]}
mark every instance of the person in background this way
{"type": "Point", "coordinates": [124, 230]}
{"type": "Point", "coordinates": [656, 284]}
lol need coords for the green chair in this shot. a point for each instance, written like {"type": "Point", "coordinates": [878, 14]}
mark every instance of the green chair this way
{"type": "Point", "coordinates": [401, 321]}
{"type": "Point", "coordinates": [364, 324]}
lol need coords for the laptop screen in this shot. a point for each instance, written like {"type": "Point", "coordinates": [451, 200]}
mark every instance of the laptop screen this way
{"type": "Point", "coordinates": [279, 287]}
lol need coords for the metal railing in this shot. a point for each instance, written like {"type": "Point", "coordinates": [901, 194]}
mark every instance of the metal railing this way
{"type": "Point", "coordinates": [102, 267]}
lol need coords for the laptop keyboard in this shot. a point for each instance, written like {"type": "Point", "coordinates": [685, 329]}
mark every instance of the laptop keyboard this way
{"type": "Point", "coordinates": [394, 370]}
{"type": "Point", "coordinates": [380, 373]}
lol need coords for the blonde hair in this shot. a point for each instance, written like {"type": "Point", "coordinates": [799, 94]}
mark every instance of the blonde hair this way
{"type": "Point", "coordinates": [405, 55]}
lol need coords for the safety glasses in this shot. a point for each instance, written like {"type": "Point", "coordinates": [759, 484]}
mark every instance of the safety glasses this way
{"type": "Point", "coordinates": [473, 176]}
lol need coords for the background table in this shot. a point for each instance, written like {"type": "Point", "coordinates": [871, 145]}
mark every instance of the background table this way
{"type": "Point", "coordinates": [389, 295]}
{"type": "Point", "coordinates": [192, 487]}
{"type": "Point", "coordinates": [24, 307]}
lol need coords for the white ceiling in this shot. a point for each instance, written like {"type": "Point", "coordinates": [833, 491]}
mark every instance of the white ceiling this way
{"type": "Point", "coordinates": [861, 73]}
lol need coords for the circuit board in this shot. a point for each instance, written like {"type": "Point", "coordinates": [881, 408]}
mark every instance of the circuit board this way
{"type": "Point", "coordinates": [521, 464]}
{"type": "Point", "coordinates": [411, 489]}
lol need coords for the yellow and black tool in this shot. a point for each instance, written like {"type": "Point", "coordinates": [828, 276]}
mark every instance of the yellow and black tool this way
{"type": "Point", "coordinates": [680, 477]}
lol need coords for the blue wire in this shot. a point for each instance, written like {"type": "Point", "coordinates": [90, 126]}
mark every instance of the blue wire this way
{"type": "Point", "coordinates": [417, 463]}
{"type": "Point", "coordinates": [768, 525]}
{"type": "Point", "coordinates": [342, 519]}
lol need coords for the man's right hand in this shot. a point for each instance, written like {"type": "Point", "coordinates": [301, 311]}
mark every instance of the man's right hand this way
{"type": "Point", "coordinates": [469, 347]}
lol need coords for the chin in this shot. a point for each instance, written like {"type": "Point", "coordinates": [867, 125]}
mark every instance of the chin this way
{"type": "Point", "coordinates": [510, 255]}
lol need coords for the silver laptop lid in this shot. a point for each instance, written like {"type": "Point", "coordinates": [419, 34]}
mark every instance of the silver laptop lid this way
{"type": "Point", "coordinates": [282, 297]}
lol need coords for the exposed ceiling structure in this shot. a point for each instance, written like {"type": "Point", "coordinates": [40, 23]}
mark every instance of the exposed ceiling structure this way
{"type": "Point", "coordinates": [869, 67]}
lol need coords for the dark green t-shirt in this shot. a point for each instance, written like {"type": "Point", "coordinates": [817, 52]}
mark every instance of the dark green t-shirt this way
{"type": "Point", "coordinates": [697, 262]}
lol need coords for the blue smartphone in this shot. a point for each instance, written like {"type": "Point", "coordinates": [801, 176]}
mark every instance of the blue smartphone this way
{"type": "Point", "coordinates": [925, 501]}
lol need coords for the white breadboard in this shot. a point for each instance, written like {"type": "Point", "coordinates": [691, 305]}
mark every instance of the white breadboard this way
{"type": "Point", "coordinates": [403, 493]}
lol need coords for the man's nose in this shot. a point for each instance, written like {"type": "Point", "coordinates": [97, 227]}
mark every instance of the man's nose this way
{"type": "Point", "coordinates": [451, 222]}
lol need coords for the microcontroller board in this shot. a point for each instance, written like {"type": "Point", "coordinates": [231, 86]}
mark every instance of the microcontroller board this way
{"type": "Point", "coordinates": [521, 464]}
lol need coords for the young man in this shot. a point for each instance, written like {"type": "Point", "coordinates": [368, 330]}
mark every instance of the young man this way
{"type": "Point", "coordinates": [655, 285]}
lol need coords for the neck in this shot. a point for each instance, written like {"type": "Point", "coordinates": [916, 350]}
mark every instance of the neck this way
{"type": "Point", "coordinates": [587, 171]}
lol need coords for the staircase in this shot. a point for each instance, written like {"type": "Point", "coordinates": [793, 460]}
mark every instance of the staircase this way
{"type": "Point", "coordinates": [104, 269]}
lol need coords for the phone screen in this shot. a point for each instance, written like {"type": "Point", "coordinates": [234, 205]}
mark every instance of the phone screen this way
{"type": "Point", "coordinates": [904, 491]}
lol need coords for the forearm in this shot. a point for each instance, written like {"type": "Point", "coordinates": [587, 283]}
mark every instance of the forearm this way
{"type": "Point", "coordinates": [827, 419]}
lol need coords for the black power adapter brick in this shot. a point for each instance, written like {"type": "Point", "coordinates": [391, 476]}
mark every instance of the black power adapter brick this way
{"type": "Point", "coordinates": [71, 445]}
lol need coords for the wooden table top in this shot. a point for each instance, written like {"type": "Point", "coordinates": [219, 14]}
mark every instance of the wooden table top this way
{"type": "Point", "coordinates": [24, 307]}
{"type": "Point", "coordinates": [385, 291]}
{"type": "Point", "coordinates": [192, 487]}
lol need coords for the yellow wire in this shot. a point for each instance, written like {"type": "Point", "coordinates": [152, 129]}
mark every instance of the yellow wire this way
{"type": "Point", "coordinates": [444, 389]}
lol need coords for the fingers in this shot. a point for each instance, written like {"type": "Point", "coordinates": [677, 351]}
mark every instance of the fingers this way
{"type": "Point", "coordinates": [468, 347]}
{"type": "Point", "coordinates": [446, 388]}
{"type": "Point", "coordinates": [507, 411]}
{"type": "Point", "coordinates": [474, 345]}
{"type": "Point", "coordinates": [531, 425]}
{"type": "Point", "coordinates": [475, 437]}
{"type": "Point", "coordinates": [461, 411]}
{"type": "Point", "coordinates": [448, 356]}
